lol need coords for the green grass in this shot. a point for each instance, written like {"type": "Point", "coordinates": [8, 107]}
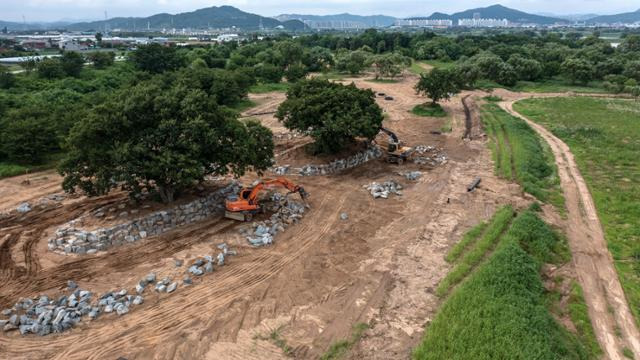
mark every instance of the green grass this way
{"type": "Point", "coordinates": [244, 105]}
{"type": "Point", "coordinates": [604, 137]}
{"type": "Point", "coordinates": [478, 250]}
{"type": "Point", "coordinates": [266, 88]}
{"type": "Point", "coordinates": [500, 311]}
{"type": "Point", "coordinates": [628, 353]}
{"type": "Point", "coordinates": [579, 315]}
{"type": "Point", "coordinates": [493, 98]}
{"type": "Point", "coordinates": [429, 109]}
{"type": "Point", "coordinates": [9, 169]}
{"type": "Point", "coordinates": [331, 75]}
{"type": "Point", "coordinates": [340, 348]}
{"type": "Point", "coordinates": [467, 240]}
{"type": "Point", "coordinates": [383, 81]}
{"type": "Point", "coordinates": [545, 86]}
{"type": "Point", "coordinates": [275, 337]}
{"type": "Point", "coordinates": [440, 64]}
{"type": "Point", "coordinates": [520, 155]}
{"type": "Point", "coordinates": [417, 68]}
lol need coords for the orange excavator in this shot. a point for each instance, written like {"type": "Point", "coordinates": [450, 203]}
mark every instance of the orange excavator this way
{"type": "Point", "coordinates": [243, 206]}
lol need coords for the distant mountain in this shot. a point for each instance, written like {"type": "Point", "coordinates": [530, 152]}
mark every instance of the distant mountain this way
{"type": "Point", "coordinates": [625, 18]}
{"type": "Point", "coordinates": [500, 12]}
{"type": "Point", "coordinates": [212, 17]}
{"type": "Point", "coordinates": [570, 17]}
{"type": "Point", "coordinates": [366, 21]}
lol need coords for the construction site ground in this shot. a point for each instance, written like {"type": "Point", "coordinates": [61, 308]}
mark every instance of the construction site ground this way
{"type": "Point", "coordinates": [320, 277]}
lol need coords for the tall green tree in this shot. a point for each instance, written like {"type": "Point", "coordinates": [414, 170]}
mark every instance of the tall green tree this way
{"type": "Point", "coordinates": [50, 68]}
{"type": "Point", "coordinates": [578, 70]}
{"type": "Point", "coordinates": [6, 78]}
{"type": "Point", "coordinates": [162, 140]}
{"type": "Point", "coordinates": [333, 114]}
{"type": "Point", "coordinates": [102, 59]}
{"type": "Point", "coordinates": [72, 63]}
{"type": "Point", "coordinates": [438, 84]}
{"type": "Point", "coordinates": [156, 58]}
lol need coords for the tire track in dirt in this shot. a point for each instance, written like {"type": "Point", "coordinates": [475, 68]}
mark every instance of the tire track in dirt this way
{"type": "Point", "coordinates": [107, 338]}
{"type": "Point", "coordinates": [609, 311]}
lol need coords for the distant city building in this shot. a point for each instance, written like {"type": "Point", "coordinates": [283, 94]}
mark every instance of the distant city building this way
{"type": "Point", "coordinates": [420, 22]}
{"type": "Point", "coordinates": [335, 24]}
{"type": "Point", "coordinates": [479, 22]}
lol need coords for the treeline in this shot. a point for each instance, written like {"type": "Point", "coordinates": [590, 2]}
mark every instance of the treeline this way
{"type": "Point", "coordinates": [39, 107]}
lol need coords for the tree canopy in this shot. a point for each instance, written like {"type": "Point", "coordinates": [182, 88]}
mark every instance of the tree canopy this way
{"type": "Point", "coordinates": [438, 84]}
{"type": "Point", "coordinates": [333, 114]}
{"type": "Point", "coordinates": [160, 139]}
{"type": "Point", "coordinates": [156, 58]}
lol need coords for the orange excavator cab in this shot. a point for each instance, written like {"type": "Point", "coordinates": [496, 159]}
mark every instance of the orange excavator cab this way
{"type": "Point", "coordinates": [243, 206]}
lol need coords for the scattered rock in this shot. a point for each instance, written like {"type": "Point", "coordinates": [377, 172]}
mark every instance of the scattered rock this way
{"type": "Point", "coordinates": [383, 190]}
{"type": "Point", "coordinates": [187, 280]}
{"type": "Point", "coordinates": [412, 175]}
{"type": "Point", "coordinates": [150, 278]}
{"type": "Point", "coordinates": [344, 216]}
{"type": "Point", "coordinates": [71, 285]}
{"type": "Point", "coordinates": [172, 287]}
{"type": "Point", "coordinates": [24, 208]}
{"type": "Point", "coordinates": [178, 263]}
{"type": "Point", "coordinates": [196, 270]}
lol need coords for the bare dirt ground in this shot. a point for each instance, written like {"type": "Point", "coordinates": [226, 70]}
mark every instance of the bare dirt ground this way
{"type": "Point", "coordinates": [26, 188]}
{"type": "Point", "coordinates": [612, 320]}
{"type": "Point", "coordinates": [318, 279]}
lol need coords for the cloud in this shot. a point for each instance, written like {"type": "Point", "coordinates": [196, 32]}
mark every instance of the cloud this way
{"type": "Point", "coordinates": [50, 10]}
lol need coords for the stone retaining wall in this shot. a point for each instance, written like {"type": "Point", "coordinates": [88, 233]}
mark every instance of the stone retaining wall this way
{"type": "Point", "coordinates": [358, 159]}
{"type": "Point", "coordinates": [69, 239]}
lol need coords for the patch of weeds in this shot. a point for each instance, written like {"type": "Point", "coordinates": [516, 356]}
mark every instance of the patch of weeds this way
{"type": "Point", "coordinates": [340, 348]}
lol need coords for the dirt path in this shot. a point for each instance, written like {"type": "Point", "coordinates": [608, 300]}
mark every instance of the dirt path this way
{"type": "Point", "coordinates": [612, 320]}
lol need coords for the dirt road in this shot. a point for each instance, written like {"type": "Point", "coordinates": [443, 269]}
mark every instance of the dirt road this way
{"type": "Point", "coordinates": [612, 320]}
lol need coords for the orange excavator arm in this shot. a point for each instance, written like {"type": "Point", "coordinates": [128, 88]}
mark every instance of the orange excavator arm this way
{"type": "Point", "coordinates": [246, 204]}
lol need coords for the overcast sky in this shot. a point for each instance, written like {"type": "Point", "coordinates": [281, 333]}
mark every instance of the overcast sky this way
{"type": "Point", "coordinates": [49, 10]}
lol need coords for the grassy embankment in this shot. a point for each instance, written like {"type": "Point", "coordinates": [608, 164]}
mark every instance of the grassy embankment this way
{"type": "Point", "coordinates": [501, 310]}
{"type": "Point", "coordinates": [604, 136]}
{"type": "Point", "coordinates": [520, 155]}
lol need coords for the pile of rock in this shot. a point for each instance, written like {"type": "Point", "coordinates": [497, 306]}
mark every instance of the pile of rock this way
{"type": "Point", "coordinates": [288, 212]}
{"type": "Point", "coordinates": [412, 175]}
{"type": "Point", "coordinates": [69, 239]}
{"type": "Point", "coordinates": [383, 190]}
{"type": "Point", "coordinates": [435, 158]}
{"type": "Point", "coordinates": [333, 167]}
{"type": "Point", "coordinates": [43, 315]}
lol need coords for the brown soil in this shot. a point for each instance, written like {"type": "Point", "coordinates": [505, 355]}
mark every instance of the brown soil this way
{"type": "Point", "coordinates": [612, 320]}
{"type": "Point", "coordinates": [321, 276]}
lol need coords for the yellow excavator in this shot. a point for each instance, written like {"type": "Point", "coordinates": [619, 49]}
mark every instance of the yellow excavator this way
{"type": "Point", "coordinates": [397, 153]}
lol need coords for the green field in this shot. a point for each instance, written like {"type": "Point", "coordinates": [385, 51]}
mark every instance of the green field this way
{"type": "Point", "coordinates": [604, 136]}
{"type": "Point", "coordinates": [520, 155]}
{"type": "Point", "coordinates": [501, 310]}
